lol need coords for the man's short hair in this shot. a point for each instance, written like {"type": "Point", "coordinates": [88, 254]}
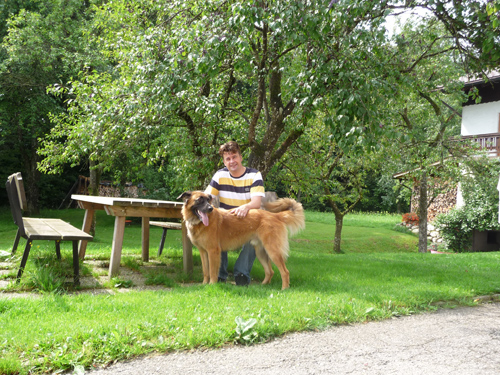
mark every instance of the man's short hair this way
{"type": "Point", "coordinates": [231, 147]}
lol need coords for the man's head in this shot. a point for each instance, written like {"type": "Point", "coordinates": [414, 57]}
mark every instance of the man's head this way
{"type": "Point", "coordinates": [231, 147]}
{"type": "Point", "coordinates": [231, 155]}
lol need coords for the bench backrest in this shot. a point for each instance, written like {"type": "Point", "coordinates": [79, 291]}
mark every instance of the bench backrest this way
{"type": "Point", "coordinates": [17, 199]}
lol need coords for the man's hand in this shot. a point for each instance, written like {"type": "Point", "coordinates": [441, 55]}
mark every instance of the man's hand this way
{"type": "Point", "coordinates": [241, 211]}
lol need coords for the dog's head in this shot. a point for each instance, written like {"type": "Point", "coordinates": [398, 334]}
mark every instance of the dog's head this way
{"type": "Point", "coordinates": [198, 203]}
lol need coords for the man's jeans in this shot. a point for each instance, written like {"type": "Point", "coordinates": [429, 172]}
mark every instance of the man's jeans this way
{"type": "Point", "coordinates": [243, 264]}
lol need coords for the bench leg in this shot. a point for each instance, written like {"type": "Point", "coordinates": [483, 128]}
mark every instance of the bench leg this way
{"type": "Point", "coordinates": [76, 264]}
{"type": "Point", "coordinates": [16, 242]}
{"type": "Point", "coordinates": [162, 241]}
{"type": "Point", "coordinates": [24, 260]}
{"type": "Point", "coordinates": [58, 249]}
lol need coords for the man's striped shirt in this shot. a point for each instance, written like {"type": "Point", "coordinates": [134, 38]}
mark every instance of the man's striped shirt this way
{"type": "Point", "coordinates": [236, 191]}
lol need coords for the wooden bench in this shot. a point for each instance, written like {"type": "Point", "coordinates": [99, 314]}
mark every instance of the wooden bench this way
{"type": "Point", "coordinates": [166, 226]}
{"type": "Point", "coordinates": [40, 229]}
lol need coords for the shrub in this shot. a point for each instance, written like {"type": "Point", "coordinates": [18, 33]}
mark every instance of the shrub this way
{"type": "Point", "coordinates": [153, 278]}
{"type": "Point", "coordinates": [10, 366]}
{"type": "Point", "coordinates": [481, 207]}
{"type": "Point", "coordinates": [455, 230]}
{"type": "Point", "coordinates": [47, 280]}
{"type": "Point", "coordinates": [410, 218]}
{"type": "Point", "coordinates": [402, 229]}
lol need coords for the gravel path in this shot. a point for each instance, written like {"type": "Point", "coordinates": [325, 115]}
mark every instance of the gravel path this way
{"type": "Point", "coordinates": [457, 341]}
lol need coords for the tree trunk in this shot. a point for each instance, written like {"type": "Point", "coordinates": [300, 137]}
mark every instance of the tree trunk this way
{"type": "Point", "coordinates": [31, 180]}
{"type": "Point", "coordinates": [95, 178]}
{"type": "Point", "coordinates": [422, 214]}
{"type": "Point", "coordinates": [339, 221]}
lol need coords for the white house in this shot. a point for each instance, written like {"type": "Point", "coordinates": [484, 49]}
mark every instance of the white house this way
{"type": "Point", "coordinates": [481, 122]}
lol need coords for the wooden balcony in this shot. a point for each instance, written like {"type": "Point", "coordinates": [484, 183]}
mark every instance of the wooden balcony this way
{"type": "Point", "coordinates": [489, 142]}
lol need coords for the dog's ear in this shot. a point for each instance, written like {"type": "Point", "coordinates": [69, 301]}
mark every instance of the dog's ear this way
{"type": "Point", "coordinates": [184, 196]}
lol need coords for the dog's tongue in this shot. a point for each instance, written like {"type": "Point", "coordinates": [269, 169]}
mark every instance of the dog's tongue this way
{"type": "Point", "coordinates": [204, 218]}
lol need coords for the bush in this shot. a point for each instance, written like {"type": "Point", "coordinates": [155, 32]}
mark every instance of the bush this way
{"type": "Point", "coordinates": [456, 227]}
{"type": "Point", "coordinates": [455, 230]}
{"type": "Point", "coordinates": [410, 218]}
{"type": "Point", "coordinates": [480, 212]}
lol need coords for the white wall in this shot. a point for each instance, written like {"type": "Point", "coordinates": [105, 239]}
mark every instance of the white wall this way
{"type": "Point", "coordinates": [480, 118]}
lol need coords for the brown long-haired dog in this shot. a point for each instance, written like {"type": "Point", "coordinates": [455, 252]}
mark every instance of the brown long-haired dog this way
{"type": "Point", "coordinates": [213, 230]}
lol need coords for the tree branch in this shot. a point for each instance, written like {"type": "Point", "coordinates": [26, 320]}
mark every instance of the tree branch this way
{"type": "Point", "coordinates": [247, 120]}
{"type": "Point", "coordinates": [275, 60]}
{"type": "Point", "coordinates": [406, 119]}
{"type": "Point", "coordinates": [191, 131]}
{"type": "Point", "coordinates": [261, 91]}
{"type": "Point", "coordinates": [291, 139]}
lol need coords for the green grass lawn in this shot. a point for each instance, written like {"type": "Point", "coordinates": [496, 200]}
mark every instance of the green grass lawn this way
{"type": "Point", "coordinates": [380, 275]}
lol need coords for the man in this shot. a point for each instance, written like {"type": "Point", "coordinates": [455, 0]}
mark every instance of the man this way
{"type": "Point", "coordinates": [239, 189]}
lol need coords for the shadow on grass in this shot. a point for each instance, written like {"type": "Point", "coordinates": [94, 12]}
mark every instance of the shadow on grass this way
{"type": "Point", "coordinates": [371, 276]}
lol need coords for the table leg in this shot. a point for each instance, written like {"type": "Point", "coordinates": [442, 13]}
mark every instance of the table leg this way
{"type": "Point", "coordinates": [145, 239]}
{"type": "Point", "coordinates": [116, 251]}
{"type": "Point", "coordinates": [87, 224]}
{"type": "Point", "coordinates": [187, 251]}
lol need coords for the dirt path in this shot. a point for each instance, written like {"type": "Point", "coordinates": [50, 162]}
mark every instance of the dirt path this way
{"type": "Point", "coordinates": [457, 341]}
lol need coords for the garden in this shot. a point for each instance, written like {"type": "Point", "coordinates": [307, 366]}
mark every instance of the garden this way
{"type": "Point", "coordinates": [329, 101]}
{"type": "Point", "coordinates": [47, 325]}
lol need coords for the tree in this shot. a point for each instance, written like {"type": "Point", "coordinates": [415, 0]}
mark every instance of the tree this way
{"type": "Point", "coordinates": [187, 76]}
{"type": "Point", "coordinates": [474, 26]}
{"type": "Point", "coordinates": [424, 112]}
{"type": "Point", "coordinates": [316, 166]}
{"type": "Point", "coordinates": [200, 74]}
{"type": "Point", "coordinates": [41, 47]}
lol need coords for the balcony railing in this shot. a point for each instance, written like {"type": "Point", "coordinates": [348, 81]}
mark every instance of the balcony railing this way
{"type": "Point", "coordinates": [489, 142]}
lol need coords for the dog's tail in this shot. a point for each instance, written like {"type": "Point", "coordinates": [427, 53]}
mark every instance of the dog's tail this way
{"type": "Point", "coordinates": [290, 212]}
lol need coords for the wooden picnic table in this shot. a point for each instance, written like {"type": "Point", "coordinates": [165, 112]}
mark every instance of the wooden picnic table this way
{"type": "Point", "coordinates": [122, 208]}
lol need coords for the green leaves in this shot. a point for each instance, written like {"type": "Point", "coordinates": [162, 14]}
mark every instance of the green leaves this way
{"type": "Point", "coordinates": [42, 47]}
{"type": "Point", "coordinates": [244, 333]}
{"type": "Point", "coordinates": [480, 211]}
{"type": "Point", "coordinates": [166, 84]}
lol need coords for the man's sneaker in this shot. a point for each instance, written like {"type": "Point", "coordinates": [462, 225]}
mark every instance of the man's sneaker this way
{"type": "Point", "coordinates": [221, 280]}
{"type": "Point", "coordinates": [241, 280]}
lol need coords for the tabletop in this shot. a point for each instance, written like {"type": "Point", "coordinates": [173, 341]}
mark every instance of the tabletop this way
{"type": "Point", "coordinates": [117, 201]}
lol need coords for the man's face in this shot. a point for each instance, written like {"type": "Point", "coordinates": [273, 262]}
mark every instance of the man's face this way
{"type": "Point", "coordinates": [233, 160]}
